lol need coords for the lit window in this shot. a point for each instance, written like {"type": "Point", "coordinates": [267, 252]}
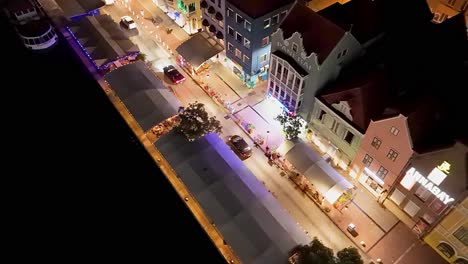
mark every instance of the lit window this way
{"type": "Point", "coordinates": [246, 43]}
{"type": "Point", "coordinates": [230, 47]}
{"type": "Point", "coordinates": [367, 160]}
{"type": "Point", "coordinates": [266, 23]}
{"type": "Point", "coordinates": [394, 131]}
{"type": "Point", "coordinates": [246, 59]}
{"type": "Point", "coordinates": [392, 154]}
{"type": "Point", "coordinates": [263, 58]}
{"type": "Point", "coordinates": [247, 25]}
{"type": "Point", "coordinates": [462, 235]}
{"type": "Point", "coordinates": [376, 143]}
{"type": "Point", "coordinates": [238, 54]}
{"type": "Point", "coordinates": [265, 41]}
{"type": "Point", "coordinates": [230, 12]}
{"type": "Point", "coordinates": [446, 249]}
{"type": "Point", "coordinates": [423, 193]}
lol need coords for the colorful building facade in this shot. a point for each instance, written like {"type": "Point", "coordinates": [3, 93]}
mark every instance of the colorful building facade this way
{"type": "Point", "coordinates": [186, 13]}
{"type": "Point", "coordinates": [450, 237]}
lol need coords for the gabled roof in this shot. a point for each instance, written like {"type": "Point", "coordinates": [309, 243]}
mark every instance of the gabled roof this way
{"type": "Point", "coordinates": [366, 94]}
{"type": "Point", "coordinates": [364, 18]}
{"type": "Point", "coordinates": [258, 8]}
{"type": "Point", "coordinates": [319, 35]}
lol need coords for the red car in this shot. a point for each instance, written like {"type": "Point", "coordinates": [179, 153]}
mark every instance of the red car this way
{"type": "Point", "coordinates": [173, 74]}
{"type": "Point", "coordinates": [241, 146]}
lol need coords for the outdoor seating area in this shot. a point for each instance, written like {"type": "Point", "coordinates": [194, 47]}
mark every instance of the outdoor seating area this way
{"type": "Point", "coordinates": [162, 128]}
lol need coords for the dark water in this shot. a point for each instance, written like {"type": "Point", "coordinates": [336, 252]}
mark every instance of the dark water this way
{"type": "Point", "coordinates": [87, 190]}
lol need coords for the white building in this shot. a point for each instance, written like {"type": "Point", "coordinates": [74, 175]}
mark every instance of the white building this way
{"type": "Point", "coordinates": [37, 35]}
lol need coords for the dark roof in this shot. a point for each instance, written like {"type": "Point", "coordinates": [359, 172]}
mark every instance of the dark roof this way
{"type": "Point", "coordinates": [319, 35]}
{"type": "Point", "coordinates": [19, 5]}
{"type": "Point", "coordinates": [364, 18]}
{"type": "Point", "coordinates": [79, 7]}
{"type": "Point", "coordinates": [291, 62]}
{"type": "Point", "coordinates": [34, 28]}
{"type": "Point", "coordinates": [258, 8]}
{"type": "Point", "coordinates": [425, 117]}
{"type": "Point", "coordinates": [366, 93]}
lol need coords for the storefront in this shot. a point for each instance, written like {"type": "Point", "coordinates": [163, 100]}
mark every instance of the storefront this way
{"type": "Point", "coordinates": [432, 183]}
{"type": "Point", "coordinates": [331, 152]}
{"type": "Point", "coordinates": [372, 182]}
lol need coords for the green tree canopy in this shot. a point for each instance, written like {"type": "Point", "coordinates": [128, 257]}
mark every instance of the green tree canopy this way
{"type": "Point", "coordinates": [291, 124]}
{"type": "Point", "coordinates": [195, 122]}
{"type": "Point", "coordinates": [317, 253]}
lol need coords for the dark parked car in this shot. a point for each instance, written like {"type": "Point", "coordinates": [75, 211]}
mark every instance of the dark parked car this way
{"type": "Point", "coordinates": [241, 146]}
{"type": "Point", "coordinates": [172, 73]}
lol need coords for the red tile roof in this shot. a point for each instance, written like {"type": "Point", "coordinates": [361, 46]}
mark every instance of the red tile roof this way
{"type": "Point", "coordinates": [319, 35]}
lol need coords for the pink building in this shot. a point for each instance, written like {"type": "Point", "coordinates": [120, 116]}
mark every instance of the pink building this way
{"type": "Point", "coordinates": [390, 143]}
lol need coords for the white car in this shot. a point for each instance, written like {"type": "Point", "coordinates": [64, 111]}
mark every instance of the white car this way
{"type": "Point", "coordinates": [128, 22]}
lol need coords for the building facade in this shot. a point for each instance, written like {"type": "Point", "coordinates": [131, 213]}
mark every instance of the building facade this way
{"type": "Point", "coordinates": [213, 19]}
{"type": "Point", "coordinates": [450, 237]}
{"type": "Point", "coordinates": [186, 13]}
{"type": "Point", "coordinates": [249, 25]}
{"type": "Point", "coordinates": [433, 182]}
{"type": "Point", "coordinates": [300, 68]}
{"type": "Point", "coordinates": [384, 153]}
{"type": "Point", "coordinates": [22, 11]}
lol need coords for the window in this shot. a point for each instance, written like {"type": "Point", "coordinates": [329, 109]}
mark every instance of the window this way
{"type": "Point", "coordinates": [275, 20]}
{"type": "Point", "coordinates": [397, 196]}
{"type": "Point", "coordinates": [451, 2]}
{"type": "Point", "coordinates": [392, 154]}
{"type": "Point", "coordinates": [367, 160]}
{"type": "Point", "coordinates": [446, 249]}
{"type": "Point", "coordinates": [334, 126]}
{"type": "Point", "coordinates": [246, 59]}
{"type": "Point", "coordinates": [321, 115]}
{"type": "Point", "coordinates": [461, 260]}
{"type": "Point", "coordinates": [247, 25]}
{"type": "Point", "coordinates": [239, 19]}
{"type": "Point", "coordinates": [238, 37]}
{"type": "Point", "coordinates": [230, 12]}
{"type": "Point", "coordinates": [376, 143]}
{"type": "Point", "coordinates": [394, 131]}
{"type": "Point", "coordinates": [462, 235]}
{"type": "Point", "coordinates": [381, 173]}
{"type": "Point", "coordinates": [349, 137]}
{"type": "Point", "coordinates": [266, 23]}
{"type": "Point", "coordinates": [342, 53]}
{"type": "Point", "coordinates": [411, 208]}
{"type": "Point", "coordinates": [263, 58]}
{"type": "Point", "coordinates": [437, 206]}
{"type": "Point", "coordinates": [246, 43]}
{"type": "Point", "coordinates": [230, 47]}
{"type": "Point", "coordinates": [422, 193]}
{"type": "Point", "coordinates": [282, 15]}
{"type": "Point", "coordinates": [294, 47]}
{"type": "Point", "coordinates": [265, 41]}
{"type": "Point", "coordinates": [238, 54]}
{"type": "Point", "coordinates": [230, 31]}
{"type": "Point", "coordinates": [464, 5]}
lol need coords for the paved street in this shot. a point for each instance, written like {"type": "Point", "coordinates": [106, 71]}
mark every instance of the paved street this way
{"type": "Point", "coordinates": [159, 47]}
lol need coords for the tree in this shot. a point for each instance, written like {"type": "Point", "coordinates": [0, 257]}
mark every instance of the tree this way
{"type": "Point", "coordinates": [317, 253]}
{"type": "Point", "coordinates": [195, 122]}
{"type": "Point", "coordinates": [141, 56]}
{"type": "Point", "coordinates": [314, 253]}
{"type": "Point", "coordinates": [291, 124]}
{"type": "Point", "coordinates": [349, 255]}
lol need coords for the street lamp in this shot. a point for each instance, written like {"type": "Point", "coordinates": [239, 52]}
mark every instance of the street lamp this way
{"type": "Point", "coordinates": [266, 141]}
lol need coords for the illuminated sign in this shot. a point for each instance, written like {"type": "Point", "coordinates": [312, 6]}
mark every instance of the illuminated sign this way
{"type": "Point", "coordinates": [431, 182]}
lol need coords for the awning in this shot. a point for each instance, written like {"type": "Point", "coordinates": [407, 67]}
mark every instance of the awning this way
{"type": "Point", "coordinates": [211, 10]}
{"type": "Point", "coordinates": [203, 4]}
{"type": "Point", "coordinates": [326, 180]}
{"type": "Point", "coordinates": [198, 49]}
{"type": "Point", "coordinates": [219, 35]}
{"type": "Point", "coordinates": [205, 22]}
{"type": "Point", "coordinates": [219, 16]}
{"type": "Point", "coordinates": [212, 29]}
